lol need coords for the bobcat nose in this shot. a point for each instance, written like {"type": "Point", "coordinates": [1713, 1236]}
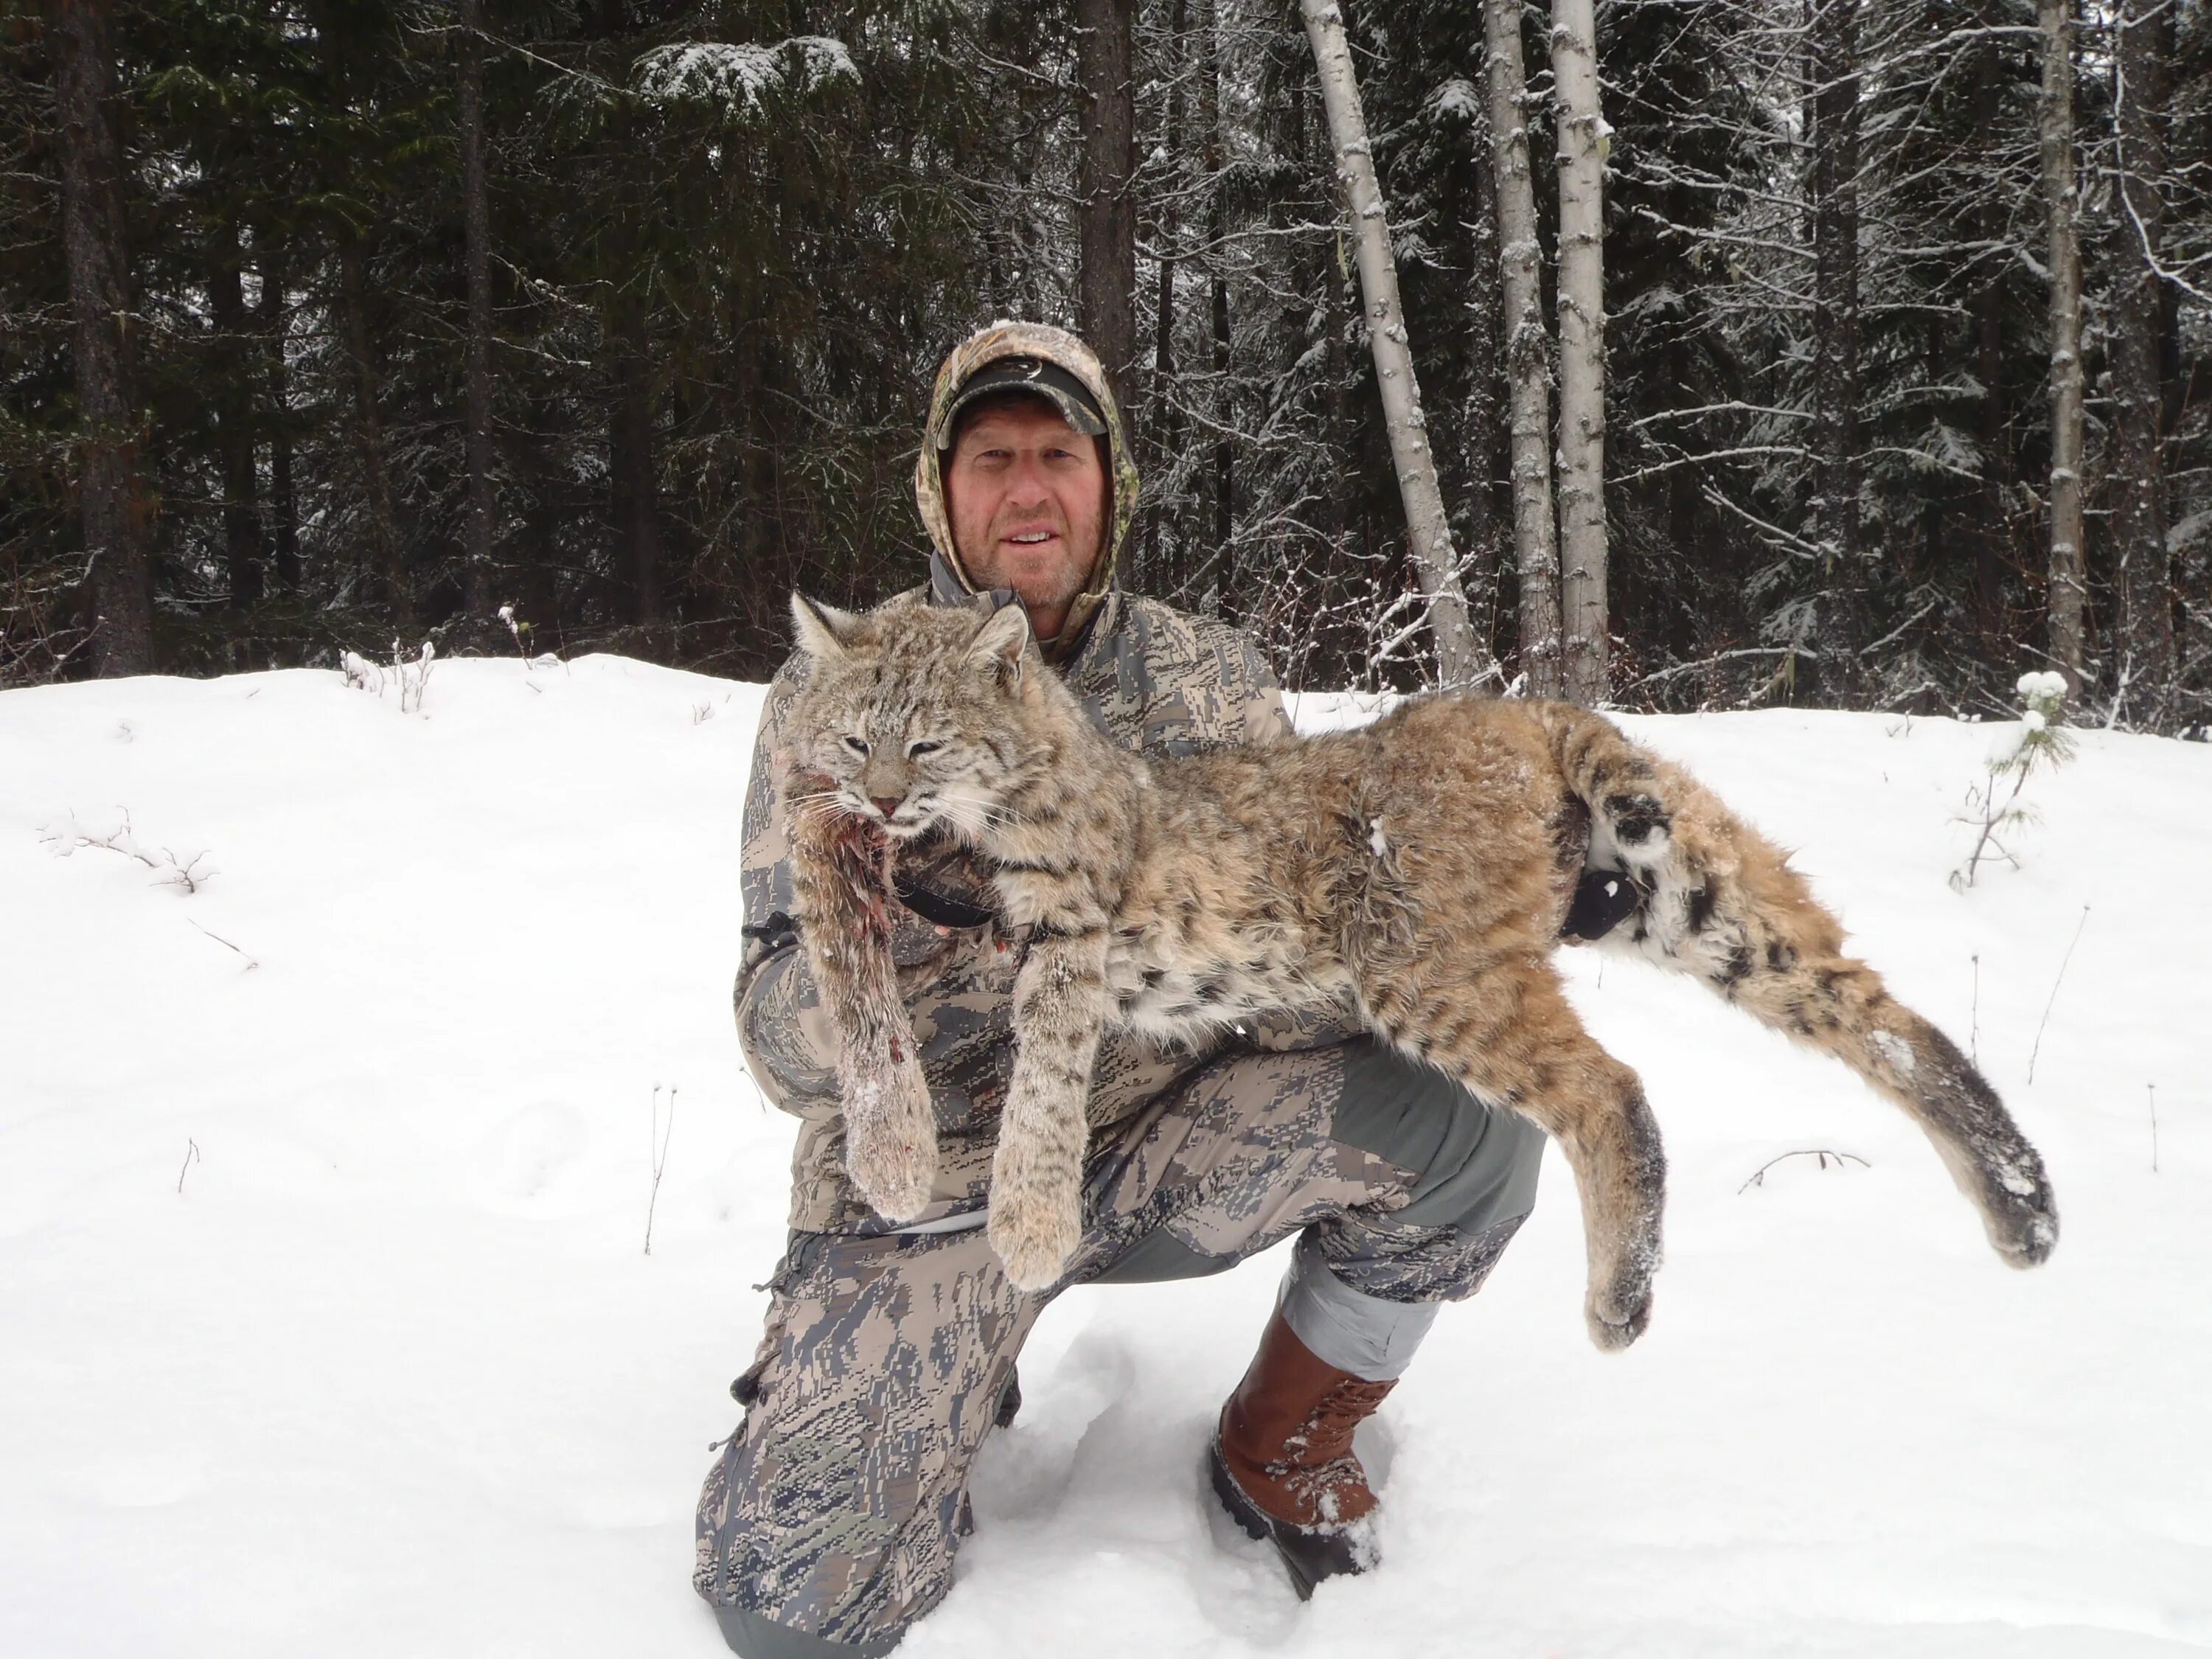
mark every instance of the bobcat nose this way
{"type": "Point", "coordinates": [888, 805]}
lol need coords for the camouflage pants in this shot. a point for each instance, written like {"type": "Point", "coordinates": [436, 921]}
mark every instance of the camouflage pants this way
{"type": "Point", "coordinates": [829, 1522]}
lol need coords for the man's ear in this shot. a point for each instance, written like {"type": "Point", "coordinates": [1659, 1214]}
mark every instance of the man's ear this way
{"type": "Point", "coordinates": [821, 630]}
{"type": "Point", "coordinates": [1001, 641]}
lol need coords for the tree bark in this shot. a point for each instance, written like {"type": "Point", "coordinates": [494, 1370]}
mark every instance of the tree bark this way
{"type": "Point", "coordinates": [1429, 540]}
{"type": "Point", "coordinates": [1223, 552]}
{"type": "Point", "coordinates": [1224, 453]}
{"type": "Point", "coordinates": [1582, 351]}
{"type": "Point", "coordinates": [1526, 358]}
{"type": "Point", "coordinates": [115, 497]}
{"type": "Point", "coordinates": [232, 396]}
{"type": "Point", "coordinates": [2143, 630]}
{"type": "Point", "coordinates": [634, 474]}
{"type": "Point", "coordinates": [283, 498]}
{"type": "Point", "coordinates": [2068, 588]}
{"type": "Point", "coordinates": [480, 518]}
{"type": "Point", "coordinates": [546, 511]}
{"type": "Point", "coordinates": [1833, 134]}
{"type": "Point", "coordinates": [1483, 415]}
{"type": "Point", "coordinates": [1167, 421]}
{"type": "Point", "coordinates": [1105, 71]}
{"type": "Point", "coordinates": [1992, 543]}
{"type": "Point", "coordinates": [386, 553]}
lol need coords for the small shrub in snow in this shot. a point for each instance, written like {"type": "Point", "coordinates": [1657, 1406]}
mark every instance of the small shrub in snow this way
{"type": "Point", "coordinates": [519, 631]}
{"type": "Point", "coordinates": [662, 1130]}
{"type": "Point", "coordinates": [1824, 1155]}
{"type": "Point", "coordinates": [1995, 804]}
{"type": "Point", "coordinates": [73, 837]}
{"type": "Point", "coordinates": [412, 678]}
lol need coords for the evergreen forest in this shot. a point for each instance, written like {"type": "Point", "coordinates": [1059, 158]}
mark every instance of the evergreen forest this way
{"type": "Point", "coordinates": [575, 325]}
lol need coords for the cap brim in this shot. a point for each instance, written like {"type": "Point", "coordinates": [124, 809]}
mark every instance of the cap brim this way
{"type": "Point", "coordinates": [995, 379]}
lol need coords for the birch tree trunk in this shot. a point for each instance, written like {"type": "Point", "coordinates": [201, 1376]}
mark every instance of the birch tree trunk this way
{"type": "Point", "coordinates": [1527, 365]}
{"type": "Point", "coordinates": [2067, 586]}
{"type": "Point", "coordinates": [1582, 349]}
{"type": "Point", "coordinates": [1460, 661]}
{"type": "Point", "coordinates": [2143, 630]}
{"type": "Point", "coordinates": [1105, 71]}
{"type": "Point", "coordinates": [113, 494]}
{"type": "Point", "coordinates": [1482, 413]}
{"type": "Point", "coordinates": [481, 515]}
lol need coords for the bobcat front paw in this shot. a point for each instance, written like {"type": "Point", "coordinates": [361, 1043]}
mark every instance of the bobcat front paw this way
{"type": "Point", "coordinates": [1616, 1321]}
{"type": "Point", "coordinates": [1035, 1237]}
{"type": "Point", "coordinates": [1619, 1307]}
{"type": "Point", "coordinates": [891, 1139]}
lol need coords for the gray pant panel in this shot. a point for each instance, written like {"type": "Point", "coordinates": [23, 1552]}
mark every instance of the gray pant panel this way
{"type": "Point", "coordinates": [1476, 1164]}
{"type": "Point", "coordinates": [1159, 1257]}
{"type": "Point", "coordinates": [1349, 1329]}
{"type": "Point", "coordinates": [751, 1637]}
{"type": "Point", "coordinates": [1472, 1167]}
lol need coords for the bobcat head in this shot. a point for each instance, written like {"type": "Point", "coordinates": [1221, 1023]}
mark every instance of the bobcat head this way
{"type": "Point", "coordinates": [918, 714]}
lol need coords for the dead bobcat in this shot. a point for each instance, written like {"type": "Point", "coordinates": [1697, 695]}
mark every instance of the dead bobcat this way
{"type": "Point", "coordinates": [1422, 865]}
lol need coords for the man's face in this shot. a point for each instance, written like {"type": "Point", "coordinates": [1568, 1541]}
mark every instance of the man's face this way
{"type": "Point", "coordinates": [1027, 495]}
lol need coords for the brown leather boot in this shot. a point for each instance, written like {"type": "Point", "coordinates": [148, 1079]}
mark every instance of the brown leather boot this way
{"type": "Point", "coordinates": [1282, 1460]}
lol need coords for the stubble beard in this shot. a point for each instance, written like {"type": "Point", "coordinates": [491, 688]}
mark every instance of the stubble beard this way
{"type": "Point", "coordinates": [1050, 588]}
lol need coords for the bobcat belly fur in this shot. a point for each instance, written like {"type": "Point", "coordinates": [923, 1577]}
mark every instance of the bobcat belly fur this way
{"type": "Point", "coordinates": [1422, 866]}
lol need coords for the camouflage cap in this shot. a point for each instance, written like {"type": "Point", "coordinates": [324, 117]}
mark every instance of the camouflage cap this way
{"type": "Point", "coordinates": [1062, 350]}
{"type": "Point", "coordinates": [1031, 377]}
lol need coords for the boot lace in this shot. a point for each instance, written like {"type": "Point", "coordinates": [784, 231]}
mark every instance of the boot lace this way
{"type": "Point", "coordinates": [1319, 1449]}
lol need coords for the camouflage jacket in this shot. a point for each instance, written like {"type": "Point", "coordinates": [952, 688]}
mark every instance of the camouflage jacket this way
{"type": "Point", "coordinates": [1156, 680]}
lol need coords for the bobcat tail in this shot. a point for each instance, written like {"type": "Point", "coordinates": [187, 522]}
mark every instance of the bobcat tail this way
{"type": "Point", "coordinates": [1719, 901]}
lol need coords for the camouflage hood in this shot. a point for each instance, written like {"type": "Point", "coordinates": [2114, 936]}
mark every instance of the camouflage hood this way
{"type": "Point", "coordinates": [950, 582]}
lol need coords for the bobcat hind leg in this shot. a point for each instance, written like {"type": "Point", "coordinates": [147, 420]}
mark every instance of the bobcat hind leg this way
{"type": "Point", "coordinates": [1749, 927]}
{"type": "Point", "coordinates": [1510, 1035]}
{"type": "Point", "coordinates": [1841, 1005]}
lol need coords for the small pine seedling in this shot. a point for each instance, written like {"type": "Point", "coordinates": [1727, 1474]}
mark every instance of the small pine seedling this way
{"type": "Point", "coordinates": [519, 631]}
{"type": "Point", "coordinates": [1995, 804]}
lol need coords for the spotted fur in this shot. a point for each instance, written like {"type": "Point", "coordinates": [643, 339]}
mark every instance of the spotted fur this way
{"type": "Point", "coordinates": [1418, 870]}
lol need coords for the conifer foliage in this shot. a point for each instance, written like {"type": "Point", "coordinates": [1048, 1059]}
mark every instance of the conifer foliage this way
{"type": "Point", "coordinates": [323, 321]}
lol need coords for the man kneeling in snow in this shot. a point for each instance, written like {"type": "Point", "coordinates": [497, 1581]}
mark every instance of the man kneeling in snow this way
{"type": "Point", "coordinates": [829, 1519]}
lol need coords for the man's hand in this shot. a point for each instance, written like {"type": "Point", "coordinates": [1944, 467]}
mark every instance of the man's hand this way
{"type": "Point", "coordinates": [941, 881]}
{"type": "Point", "coordinates": [944, 892]}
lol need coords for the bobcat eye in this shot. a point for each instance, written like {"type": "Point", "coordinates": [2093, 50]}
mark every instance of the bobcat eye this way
{"type": "Point", "coordinates": [921, 746]}
{"type": "Point", "coordinates": [857, 747]}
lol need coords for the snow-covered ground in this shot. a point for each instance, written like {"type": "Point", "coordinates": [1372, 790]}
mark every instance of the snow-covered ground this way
{"type": "Point", "coordinates": [326, 1327]}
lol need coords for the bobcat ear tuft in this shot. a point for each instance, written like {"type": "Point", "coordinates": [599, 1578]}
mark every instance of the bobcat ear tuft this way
{"type": "Point", "coordinates": [1001, 640]}
{"type": "Point", "coordinates": [821, 630]}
